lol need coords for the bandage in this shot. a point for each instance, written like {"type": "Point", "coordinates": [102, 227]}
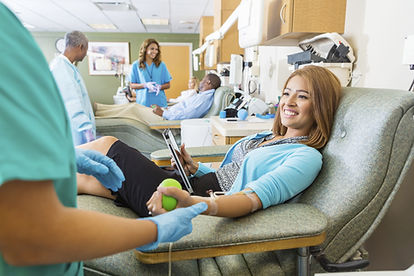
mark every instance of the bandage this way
{"type": "Point", "coordinates": [213, 207]}
{"type": "Point", "coordinates": [213, 204]}
{"type": "Point", "coordinates": [254, 199]}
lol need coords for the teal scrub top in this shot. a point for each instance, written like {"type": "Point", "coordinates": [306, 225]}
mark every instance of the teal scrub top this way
{"type": "Point", "coordinates": [151, 73]}
{"type": "Point", "coordinates": [35, 141]}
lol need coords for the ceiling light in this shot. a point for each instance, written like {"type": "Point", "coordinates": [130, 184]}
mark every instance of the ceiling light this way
{"type": "Point", "coordinates": [114, 6]}
{"type": "Point", "coordinates": [155, 21]}
{"type": "Point", "coordinates": [103, 26]}
{"type": "Point", "coordinates": [186, 22]}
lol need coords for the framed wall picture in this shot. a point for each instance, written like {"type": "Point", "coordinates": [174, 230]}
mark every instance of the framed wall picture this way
{"type": "Point", "coordinates": [105, 57]}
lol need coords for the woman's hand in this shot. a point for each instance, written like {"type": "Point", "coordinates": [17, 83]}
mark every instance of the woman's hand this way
{"type": "Point", "coordinates": [190, 167]}
{"type": "Point", "coordinates": [154, 204]}
{"type": "Point", "coordinates": [133, 98]}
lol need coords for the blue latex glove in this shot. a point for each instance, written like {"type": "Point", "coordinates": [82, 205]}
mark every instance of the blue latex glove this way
{"type": "Point", "coordinates": [175, 224]}
{"type": "Point", "coordinates": [100, 166]}
{"type": "Point", "coordinates": [151, 86]}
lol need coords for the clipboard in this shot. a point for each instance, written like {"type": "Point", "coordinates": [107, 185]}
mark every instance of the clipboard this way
{"type": "Point", "coordinates": [173, 147]}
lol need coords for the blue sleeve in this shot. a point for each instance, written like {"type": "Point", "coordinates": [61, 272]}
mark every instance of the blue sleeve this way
{"type": "Point", "coordinates": [165, 75]}
{"type": "Point", "coordinates": [72, 97]}
{"type": "Point", "coordinates": [289, 179]}
{"type": "Point", "coordinates": [135, 76]}
{"type": "Point", "coordinates": [202, 170]}
{"type": "Point", "coordinates": [193, 107]}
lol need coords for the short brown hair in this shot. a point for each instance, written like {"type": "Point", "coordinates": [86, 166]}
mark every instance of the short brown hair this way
{"type": "Point", "coordinates": [325, 91]}
{"type": "Point", "coordinates": [143, 51]}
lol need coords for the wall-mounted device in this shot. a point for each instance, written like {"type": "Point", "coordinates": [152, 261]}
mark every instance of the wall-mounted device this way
{"type": "Point", "coordinates": [250, 23]}
{"type": "Point", "coordinates": [236, 71]}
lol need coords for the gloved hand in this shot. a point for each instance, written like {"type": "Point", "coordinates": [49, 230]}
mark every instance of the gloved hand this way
{"type": "Point", "coordinates": [157, 89]}
{"type": "Point", "coordinates": [100, 166]}
{"type": "Point", "coordinates": [151, 86]}
{"type": "Point", "coordinates": [174, 225]}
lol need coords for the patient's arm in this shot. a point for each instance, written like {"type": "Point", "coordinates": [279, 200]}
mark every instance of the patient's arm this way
{"type": "Point", "coordinates": [158, 110]}
{"type": "Point", "coordinates": [235, 205]}
{"type": "Point", "coordinates": [134, 96]}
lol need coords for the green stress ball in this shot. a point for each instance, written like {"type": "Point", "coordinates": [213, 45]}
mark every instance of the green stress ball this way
{"type": "Point", "coordinates": [168, 202]}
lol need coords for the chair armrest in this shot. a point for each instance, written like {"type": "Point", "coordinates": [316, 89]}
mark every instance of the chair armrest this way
{"type": "Point", "coordinates": [279, 227]}
{"type": "Point", "coordinates": [199, 154]}
{"type": "Point", "coordinates": [165, 124]}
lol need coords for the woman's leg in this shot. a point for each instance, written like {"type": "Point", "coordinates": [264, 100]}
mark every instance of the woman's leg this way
{"type": "Point", "coordinates": [88, 184]}
{"type": "Point", "coordinates": [142, 177]}
{"type": "Point", "coordinates": [102, 144]}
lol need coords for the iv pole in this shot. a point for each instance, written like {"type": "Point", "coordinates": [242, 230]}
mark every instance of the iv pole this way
{"type": "Point", "coordinates": [219, 34]}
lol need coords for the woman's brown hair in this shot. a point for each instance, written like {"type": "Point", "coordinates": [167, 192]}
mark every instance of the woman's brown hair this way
{"type": "Point", "coordinates": [143, 51]}
{"type": "Point", "coordinates": [325, 91]}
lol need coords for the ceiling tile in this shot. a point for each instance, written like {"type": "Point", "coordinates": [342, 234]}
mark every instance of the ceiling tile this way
{"type": "Point", "coordinates": [67, 15]}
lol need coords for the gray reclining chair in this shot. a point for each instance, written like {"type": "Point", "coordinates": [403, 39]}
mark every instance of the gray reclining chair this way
{"type": "Point", "coordinates": [147, 138]}
{"type": "Point", "coordinates": [365, 161]}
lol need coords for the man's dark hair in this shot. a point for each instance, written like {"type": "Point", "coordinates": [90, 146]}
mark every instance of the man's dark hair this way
{"type": "Point", "coordinates": [214, 80]}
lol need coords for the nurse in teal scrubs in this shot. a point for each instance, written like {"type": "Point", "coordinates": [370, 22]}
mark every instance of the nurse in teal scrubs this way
{"type": "Point", "coordinates": [149, 75]}
{"type": "Point", "coordinates": [41, 230]}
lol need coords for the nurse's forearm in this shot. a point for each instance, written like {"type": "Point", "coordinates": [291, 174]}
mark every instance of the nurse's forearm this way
{"type": "Point", "coordinates": [165, 86]}
{"type": "Point", "coordinates": [40, 230]}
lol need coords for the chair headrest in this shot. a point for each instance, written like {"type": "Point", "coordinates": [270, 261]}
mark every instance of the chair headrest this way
{"type": "Point", "coordinates": [219, 101]}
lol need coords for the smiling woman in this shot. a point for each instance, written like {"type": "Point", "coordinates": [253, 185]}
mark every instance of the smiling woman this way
{"type": "Point", "coordinates": [149, 75]}
{"type": "Point", "coordinates": [309, 86]}
{"type": "Point", "coordinates": [289, 158]}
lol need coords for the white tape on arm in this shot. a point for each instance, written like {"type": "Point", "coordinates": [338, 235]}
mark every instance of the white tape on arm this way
{"type": "Point", "coordinates": [253, 198]}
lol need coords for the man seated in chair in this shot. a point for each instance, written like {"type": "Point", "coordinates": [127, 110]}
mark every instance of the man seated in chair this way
{"type": "Point", "coordinates": [193, 107]}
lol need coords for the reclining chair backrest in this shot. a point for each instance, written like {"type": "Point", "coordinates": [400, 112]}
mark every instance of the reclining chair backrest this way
{"type": "Point", "coordinates": [365, 161]}
{"type": "Point", "coordinates": [222, 98]}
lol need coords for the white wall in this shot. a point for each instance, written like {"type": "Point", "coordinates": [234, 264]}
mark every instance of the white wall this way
{"type": "Point", "coordinates": [274, 70]}
{"type": "Point", "coordinates": [375, 29]}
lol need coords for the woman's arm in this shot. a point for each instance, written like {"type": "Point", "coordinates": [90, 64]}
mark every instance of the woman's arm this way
{"type": "Point", "coordinates": [235, 205]}
{"type": "Point", "coordinates": [134, 96]}
{"type": "Point", "coordinates": [165, 86]}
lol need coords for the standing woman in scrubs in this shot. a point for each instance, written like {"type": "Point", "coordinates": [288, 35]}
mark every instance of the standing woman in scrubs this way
{"type": "Point", "coordinates": [149, 75]}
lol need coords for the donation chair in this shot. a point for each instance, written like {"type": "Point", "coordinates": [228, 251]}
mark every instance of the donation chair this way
{"type": "Point", "coordinates": [365, 161]}
{"type": "Point", "coordinates": [147, 137]}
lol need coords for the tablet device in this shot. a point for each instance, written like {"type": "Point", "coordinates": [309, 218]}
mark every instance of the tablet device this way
{"type": "Point", "coordinates": [173, 147]}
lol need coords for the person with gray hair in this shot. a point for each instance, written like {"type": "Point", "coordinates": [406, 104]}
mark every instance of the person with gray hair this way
{"type": "Point", "coordinates": [73, 89]}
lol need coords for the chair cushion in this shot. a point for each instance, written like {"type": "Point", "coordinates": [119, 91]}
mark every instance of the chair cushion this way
{"type": "Point", "coordinates": [133, 133]}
